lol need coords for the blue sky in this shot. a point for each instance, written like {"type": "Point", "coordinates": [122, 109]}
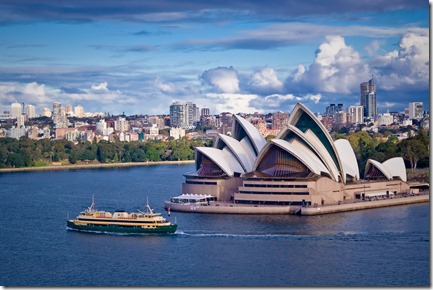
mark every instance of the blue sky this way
{"type": "Point", "coordinates": [137, 57]}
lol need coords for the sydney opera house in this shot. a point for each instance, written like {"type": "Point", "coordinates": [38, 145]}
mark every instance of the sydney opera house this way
{"type": "Point", "coordinates": [301, 166]}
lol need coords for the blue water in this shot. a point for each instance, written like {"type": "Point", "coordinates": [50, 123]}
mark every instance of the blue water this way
{"type": "Point", "coordinates": [378, 247]}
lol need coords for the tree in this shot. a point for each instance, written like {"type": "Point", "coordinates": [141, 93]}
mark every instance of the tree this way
{"type": "Point", "coordinates": [413, 150]}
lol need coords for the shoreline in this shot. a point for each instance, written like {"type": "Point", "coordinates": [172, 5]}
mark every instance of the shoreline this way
{"type": "Point", "coordinates": [94, 166]}
{"type": "Point", "coordinates": [232, 208]}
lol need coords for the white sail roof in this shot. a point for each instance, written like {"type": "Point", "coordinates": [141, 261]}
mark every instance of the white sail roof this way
{"type": "Point", "coordinates": [256, 139]}
{"type": "Point", "coordinates": [348, 158]}
{"type": "Point", "coordinates": [224, 160]}
{"type": "Point", "coordinates": [396, 167]}
{"type": "Point", "coordinates": [302, 154]}
{"type": "Point", "coordinates": [244, 155]}
{"type": "Point", "coordinates": [302, 118]}
{"type": "Point", "coordinates": [313, 141]}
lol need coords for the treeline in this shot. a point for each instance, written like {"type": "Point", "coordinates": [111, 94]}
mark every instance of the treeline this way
{"type": "Point", "coordinates": [27, 152]}
{"type": "Point", "coordinates": [414, 149]}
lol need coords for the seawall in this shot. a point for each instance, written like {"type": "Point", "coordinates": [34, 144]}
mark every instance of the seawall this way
{"type": "Point", "coordinates": [91, 166]}
{"type": "Point", "coordinates": [231, 208]}
{"type": "Point", "coordinates": [364, 205]}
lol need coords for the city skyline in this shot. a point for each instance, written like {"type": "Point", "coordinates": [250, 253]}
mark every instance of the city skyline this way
{"type": "Point", "coordinates": [243, 57]}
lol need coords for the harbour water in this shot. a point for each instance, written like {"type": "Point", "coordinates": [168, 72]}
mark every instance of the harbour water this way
{"type": "Point", "coordinates": [377, 247]}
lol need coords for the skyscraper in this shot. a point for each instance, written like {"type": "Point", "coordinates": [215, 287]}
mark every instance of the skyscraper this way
{"type": "Point", "coordinates": [368, 98]}
{"type": "Point", "coordinates": [416, 110]}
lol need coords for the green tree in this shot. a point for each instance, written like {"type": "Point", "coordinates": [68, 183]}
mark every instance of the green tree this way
{"type": "Point", "coordinates": [413, 150]}
{"type": "Point", "coordinates": [138, 155]}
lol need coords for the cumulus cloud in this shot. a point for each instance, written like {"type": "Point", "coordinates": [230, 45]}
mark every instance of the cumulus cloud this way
{"type": "Point", "coordinates": [407, 67]}
{"type": "Point", "coordinates": [336, 69]}
{"type": "Point", "coordinates": [224, 79]}
{"type": "Point", "coordinates": [265, 80]}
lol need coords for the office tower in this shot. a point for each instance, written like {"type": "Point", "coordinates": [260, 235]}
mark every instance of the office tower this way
{"type": "Point", "coordinates": [30, 111]}
{"type": "Point", "coordinates": [368, 98]}
{"type": "Point", "coordinates": [416, 110]}
{"type": "Point", "coordinates": [332, 109]}
{"type": "Point", "coordinates": [355, 114]}
{"type": "Point", "coordinates": [16, 110]}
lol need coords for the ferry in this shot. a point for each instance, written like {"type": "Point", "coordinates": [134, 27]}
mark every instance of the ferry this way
{"type": "Point", "coordinates": [121, 222]}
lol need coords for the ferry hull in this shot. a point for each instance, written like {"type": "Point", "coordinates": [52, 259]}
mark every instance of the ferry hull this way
{"type": "Point", "coordinates": [122, 229]}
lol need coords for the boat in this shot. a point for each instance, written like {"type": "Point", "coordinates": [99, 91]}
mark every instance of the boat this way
{"type": "Point", "coordinates": [121, 221]}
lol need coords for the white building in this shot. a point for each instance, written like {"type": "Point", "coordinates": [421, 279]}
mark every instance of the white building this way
{"type": "Point", "coordinates": [45, 112]}
{"type": "Point", "coordinates": [79, 111]}
{"type": "Point", "coordinates": [21, 120]}
{"type": "Point", "coordinates": [385, 119]}
{"type": "Point", "coordinates": [355, 114]}
{"type": "Point", "coordinates": [121, 125]}
{"type": "Point", "coordinates": [416, 110]}
{"type": "Point", "coordinates": [177, 133]}
{"type": "Point", "coordinates": [30, 111]}
{"type": "Point", "coordinates": [16, 110]}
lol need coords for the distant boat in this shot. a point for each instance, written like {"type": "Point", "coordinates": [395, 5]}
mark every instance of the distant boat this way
{"type": "Point", "coordinates": [121, 222]}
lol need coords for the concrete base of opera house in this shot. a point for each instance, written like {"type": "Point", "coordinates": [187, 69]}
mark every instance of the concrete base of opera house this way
{"type": "Point", "coordinates": [364, 205]}
{"type": "Point", "coordinates": [232, 208]}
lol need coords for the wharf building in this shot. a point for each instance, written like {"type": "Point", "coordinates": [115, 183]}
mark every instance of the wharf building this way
{"type": "Point", "coordinates": [301, 166]}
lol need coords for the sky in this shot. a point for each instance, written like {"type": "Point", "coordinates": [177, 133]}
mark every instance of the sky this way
{"type": "Point", "coordinates": [138, 57]}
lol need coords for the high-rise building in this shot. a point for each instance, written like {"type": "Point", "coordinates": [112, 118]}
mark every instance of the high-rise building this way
{"type": "Point", "coordinates": [205, 111]}
{"type": "Point", "coordinates": [416, 110]}
{"type": "Point", "coordinates": [183, 115]}
{"type": "Point", "coordinates": [79, 111]}
{"type": "Point", "coordinates": [16, 110]}
{"type": "Point", "coordinates": [332, 109]}
{"type": "Point", "coordinates": [355, 114]}
{"type": "Point", "coordinates": [31, 111]}
{"type": "Point", "coordinates": [370, 111]}
{"type": "Point", "coordinates": [368, 98]}
{"type": "Point", "coordinates": [57, 112]}
{"type": "Point", "coordinates": [59, 116]}
{"type": "Point", "coordinates": [121, 125]}
{"type": "Point", "coordinates": [178, 113]}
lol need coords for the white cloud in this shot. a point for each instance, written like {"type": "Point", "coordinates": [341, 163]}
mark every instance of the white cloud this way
{"type": "Point", "coordinates": [101, 88]}
{"type": "Point", "coordinates": [337, 68]}
{"type": "Point", "coordinates": [266, 80]}
{"type": "Point", "coordinates": [235, 103]}
{"type": "Point", "coordinates": [225, 79]}
{"type": "Point", "coordinates": [407, 67]}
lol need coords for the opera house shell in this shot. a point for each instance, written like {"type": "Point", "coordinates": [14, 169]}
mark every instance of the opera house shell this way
{"type": "Point", "coordinates": [302, 165]}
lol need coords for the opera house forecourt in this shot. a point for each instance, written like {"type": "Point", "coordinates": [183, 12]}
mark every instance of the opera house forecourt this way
{"type": "Point", "coordinates": [301, 171]}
